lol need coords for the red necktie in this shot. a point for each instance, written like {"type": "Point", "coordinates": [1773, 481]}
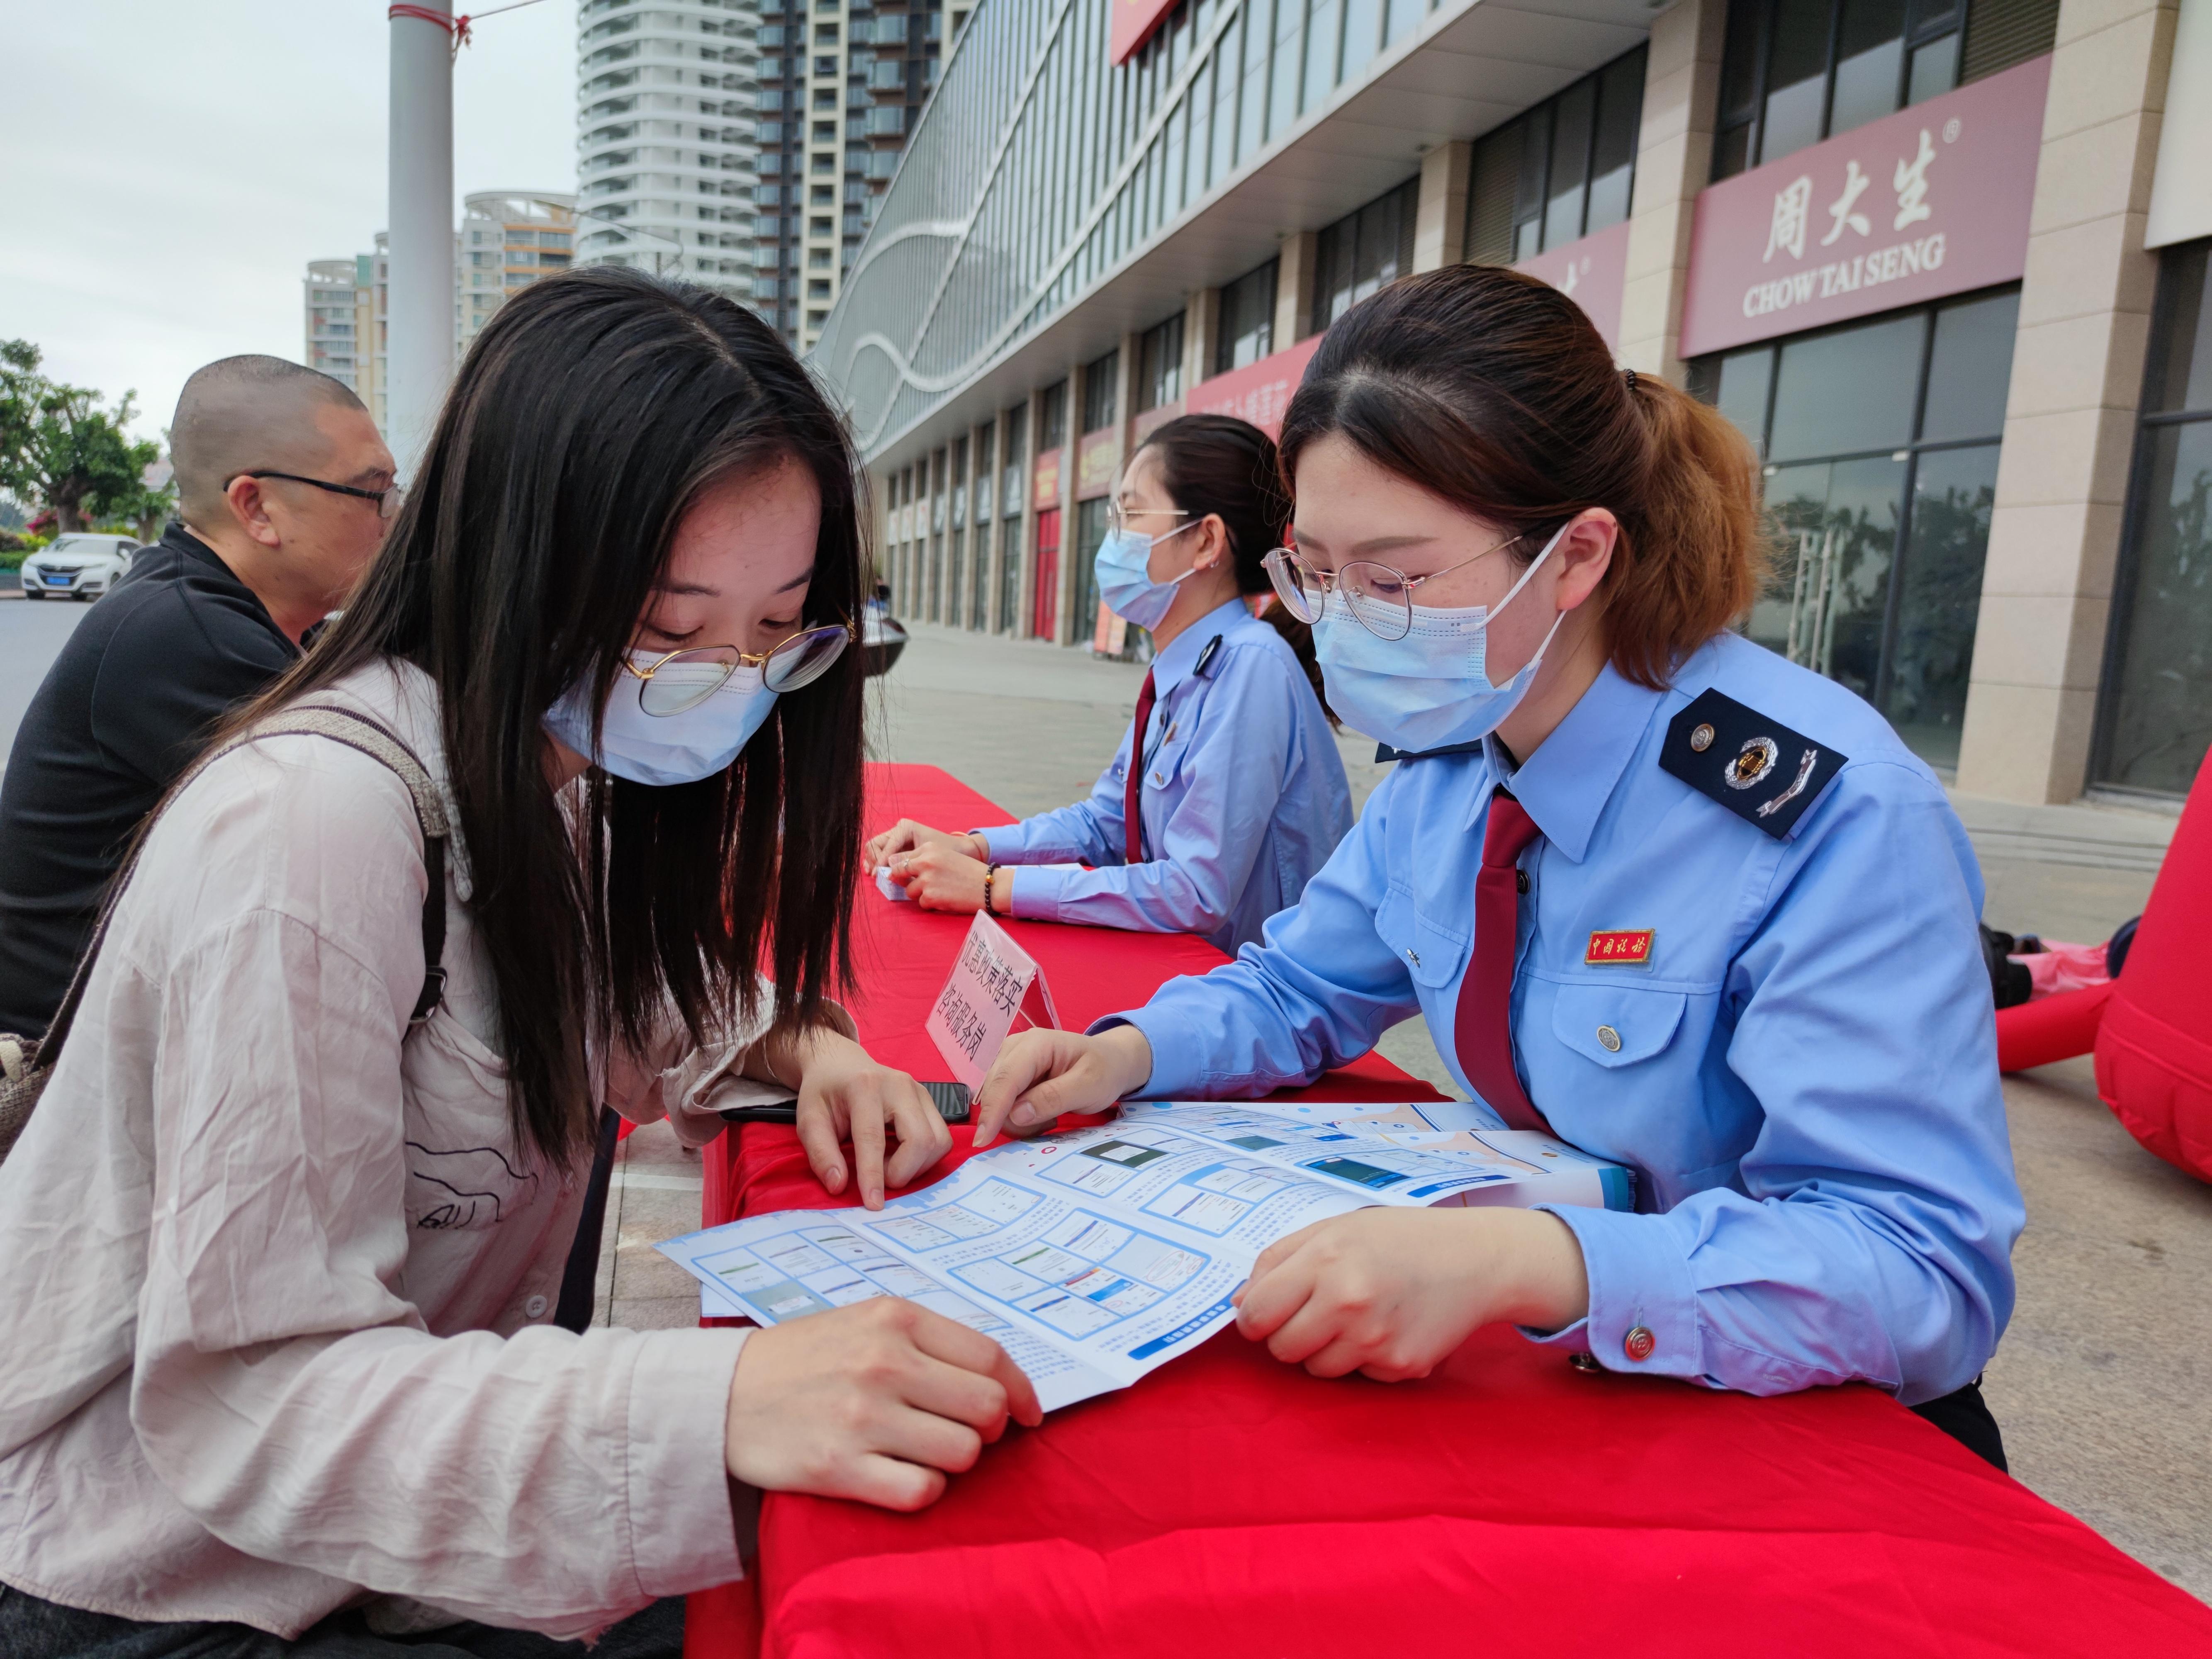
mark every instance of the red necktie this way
{"type": "Point", "coordinates": [1482, 1024]}
{"type": "Point", "coordinates": [1132, 793]}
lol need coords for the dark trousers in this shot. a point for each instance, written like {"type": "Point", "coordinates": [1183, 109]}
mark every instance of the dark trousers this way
{"type": "Point", "coordinates": [33, 1629]}
{"type": "Point", "coordinates": [1965, 1417]}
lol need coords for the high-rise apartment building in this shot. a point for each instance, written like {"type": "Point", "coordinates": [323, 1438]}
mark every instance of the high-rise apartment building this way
{"type": "Point", "coordinates": [508, 238]}
{"type": "Point", "coordinates": [841, 83]}
{"type": "Point", "coordinates": [664, 138]}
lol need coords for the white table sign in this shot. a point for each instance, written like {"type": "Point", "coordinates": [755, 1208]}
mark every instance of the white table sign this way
{"type": "Point", "coordinates": [993, 983]}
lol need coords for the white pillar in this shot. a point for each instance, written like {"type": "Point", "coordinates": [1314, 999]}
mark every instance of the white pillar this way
{"type": "Point", "coordinates": [420, 207]}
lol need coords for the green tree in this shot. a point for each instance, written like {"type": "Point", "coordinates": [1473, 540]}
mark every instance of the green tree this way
{"type": "Point", "coordinates": [57, 444]}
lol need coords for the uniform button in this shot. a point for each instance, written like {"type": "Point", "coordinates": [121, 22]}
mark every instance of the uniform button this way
{"type": "Point", "coordinates": [1159, 777]}
{"type": "Point", "coordinates": [1609, 1038]}
{"type": "Point", "coordinates": [1519, 881]}
{"type": "Point", "coordinates": [1702, 738]}
{"type": "Point", "coordinates": [535, 1307]}
{"type": "Point", "coordinates": [1638, 1343]}
{"type": "Point", "coordinates": [1584, 1362]}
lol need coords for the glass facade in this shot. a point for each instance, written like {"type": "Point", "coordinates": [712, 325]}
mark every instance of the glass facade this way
{"type": "Point", "coordinates": [2156, 716]}
{"type": "Point", "coordinates": [1881, 442]}
{"type": "Point", "coordinates": [1247, 333]}
{"type": "Point", "coordinates": [1159, 364]}
{"type": "Point", "coordinates": [1363, 251]}
{"type": "Point", "coordinates": [1090, 530]}
{"type": "Point", "coordinates": [1563, 171]}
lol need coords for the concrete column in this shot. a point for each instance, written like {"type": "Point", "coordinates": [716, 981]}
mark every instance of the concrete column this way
{"type": "Point", "coordinates": [1000, 552]}
{"type": "Point", "coordinates": [1294, 287]}
{"type": "Point", "coordinates": [1202, 333]}
{"type": "Point", "coordinates": [1674, 162]}
{"type": "Point", "coordinates": [1064, 599]}
{"type": "Point", "coordinates": [1440, 220]}
{"type": "Point", "coordinates": [420, 201]}
{"type": "Point", "coordinates": [2077, 372]}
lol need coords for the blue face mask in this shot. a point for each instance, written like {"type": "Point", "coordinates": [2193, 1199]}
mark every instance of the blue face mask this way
{"type": "Point", "coordinates": [662, 749]}
{"type": "Point", "coordinates": [1126, 587]}
{"type": "Point", "coordinates": [1433, 688]}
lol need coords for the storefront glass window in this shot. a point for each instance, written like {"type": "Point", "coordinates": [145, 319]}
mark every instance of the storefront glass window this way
{"type": "Point", "coordinates": [2156, 716]}
{"type": "Point", "coordinates": [1565, 170]}
{"type": "Point", "coordinates": [1248, 319]}
{"type": "Point", "coordinates": [1882, 440]}
{"type": "Point", "coordinates": [1090, 530]}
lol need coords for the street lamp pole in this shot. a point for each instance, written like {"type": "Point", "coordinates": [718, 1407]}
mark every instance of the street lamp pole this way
{"type": "Point", "coordinates": [420, 305]}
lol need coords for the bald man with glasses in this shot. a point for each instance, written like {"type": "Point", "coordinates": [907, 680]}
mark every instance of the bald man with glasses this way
{"type": "Point", "coordinates": [284, 491]}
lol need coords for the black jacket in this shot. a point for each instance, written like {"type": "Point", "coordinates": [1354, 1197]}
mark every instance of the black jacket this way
{"type": "Point", "coordinates": [124, 709]}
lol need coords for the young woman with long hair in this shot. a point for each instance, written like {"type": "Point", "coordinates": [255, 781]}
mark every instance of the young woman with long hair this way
{"type": "Point", "coordinates": [1652, 887]}
{"type": "Point", "coordinates": [289, 1223]}
{"type": "Point", "coordinates": [1227, 793]}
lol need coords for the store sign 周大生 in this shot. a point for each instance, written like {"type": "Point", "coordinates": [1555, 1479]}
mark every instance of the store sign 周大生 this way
{"type": "Point", "coordinates": [1931, 201]}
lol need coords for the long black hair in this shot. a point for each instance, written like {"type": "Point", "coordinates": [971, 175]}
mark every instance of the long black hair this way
{"type": "Point", "coordinates": [591, 412]}
{"type": "Point", "coordinates": [1219, 464]}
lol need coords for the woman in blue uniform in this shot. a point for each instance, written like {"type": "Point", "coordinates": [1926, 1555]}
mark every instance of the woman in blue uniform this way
{"type": "Point", "coordinates": [1239, 794]}
{"type": "Point", "coordinates": [1688, 906]}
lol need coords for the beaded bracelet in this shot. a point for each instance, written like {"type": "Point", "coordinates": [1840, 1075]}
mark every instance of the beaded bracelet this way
{"type": "Point", "coordinates": [990, 886]}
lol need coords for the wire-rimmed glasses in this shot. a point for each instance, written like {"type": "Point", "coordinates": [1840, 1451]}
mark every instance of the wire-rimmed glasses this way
{"type": "Point", "coordinates": [684, 680]}
{"type": "Point", "coordinates": [1378, 597]}
{"type": "Point", "coordinates": [1118, 516]}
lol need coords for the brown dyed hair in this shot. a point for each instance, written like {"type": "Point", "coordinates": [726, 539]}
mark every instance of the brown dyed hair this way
{"type": "Point", "coordinates": [1491, 390]}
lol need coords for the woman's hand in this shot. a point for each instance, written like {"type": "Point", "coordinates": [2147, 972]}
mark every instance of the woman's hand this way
{"type": "Point", "coordinates": [870, 1401]}
{"type": "Point", "coordinates": [1389, 1293]}
{"type": "Point", "coordinates": [1038, 1075]}
{"type": "Point", "coordinates": [938, 879]}
{"type": "Point", "coordinates": [843, 1093]}
{"type": "Point", "coordinates": [906, 836]}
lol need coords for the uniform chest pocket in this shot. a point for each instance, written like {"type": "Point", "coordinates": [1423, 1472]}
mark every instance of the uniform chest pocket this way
{"type": "Point", "coordinates": [1616, 1025]}
{"type": "Point", "coordinates": [1432, 953]}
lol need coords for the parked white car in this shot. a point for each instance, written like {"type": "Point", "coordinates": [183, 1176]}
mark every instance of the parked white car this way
{"type": "Point", "coordinates": [77, 566]}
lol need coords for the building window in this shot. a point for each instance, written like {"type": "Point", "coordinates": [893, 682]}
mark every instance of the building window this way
{"type": "Point", "coordinates": [1159, 364]}
{"type": "Point", "coordinates": [1248, 319]}
{"type": "Point", "coordinates": [1880, 443]}
{"type": "Point", "coordinates": [1090, 530]}
{"type": "Point", "coordinates": [1052, 416]}
{"type": "Point", "coordinates": [1565, 170]}
{"type": "Point", "coordinates": [1796, 72]}
{"type": "Point", "coordinates": [1362, 252]}
{"type": "Point", "coordinates": [2155, 719]}
{"type": "Point", "coordinates": [1099, 406]}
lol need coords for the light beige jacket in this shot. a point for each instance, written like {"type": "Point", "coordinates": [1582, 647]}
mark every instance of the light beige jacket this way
{"type": "Point", "coordinates": [274, 1274]}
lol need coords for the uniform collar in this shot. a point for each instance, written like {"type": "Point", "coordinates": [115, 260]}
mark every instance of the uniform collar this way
{"type": "Point", "coordinates": [1173, 665]}
{"type": "Point", "coordinates": [1566, 784]}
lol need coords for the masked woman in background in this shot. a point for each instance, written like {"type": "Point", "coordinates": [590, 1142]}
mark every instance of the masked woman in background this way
{"type": "Point", "coordinates": [1228, 792]}
{"type": "Point", "coordinates": [280, 1372]}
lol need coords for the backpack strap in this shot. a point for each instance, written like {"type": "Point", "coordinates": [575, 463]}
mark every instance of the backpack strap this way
{"type": "Point", "coordinates": [357, 732]}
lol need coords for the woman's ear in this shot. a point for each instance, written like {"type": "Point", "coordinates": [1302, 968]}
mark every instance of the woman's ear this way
{"type": "Point", "coordinates": [1212, 543]}
{"type": "Point", "coordinates": [1585, 553]}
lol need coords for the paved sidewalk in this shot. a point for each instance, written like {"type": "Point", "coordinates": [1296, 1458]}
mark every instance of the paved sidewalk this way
{"type": "Point", "coordinates": [2103, 1386]}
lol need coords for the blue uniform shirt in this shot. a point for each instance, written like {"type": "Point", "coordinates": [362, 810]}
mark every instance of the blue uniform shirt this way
{"type": "Point", "coordinates": [1245, 798]}
{"type": "Point", "coordinates": [1803, 1075]}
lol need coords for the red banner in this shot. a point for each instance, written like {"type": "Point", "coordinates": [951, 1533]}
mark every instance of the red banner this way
{"type": "Point", "coordinates": [1258, 392]}
{"type": "Point", "coordinates": [1593, 272]}
{"type": "Point", "coordinates": [1931, 201]}
{"type": "Point", "coordinates": [1133, 23]}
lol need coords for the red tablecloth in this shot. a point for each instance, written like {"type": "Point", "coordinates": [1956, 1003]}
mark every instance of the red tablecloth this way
{"type": "Point", "coordinates": [1228, 1505]}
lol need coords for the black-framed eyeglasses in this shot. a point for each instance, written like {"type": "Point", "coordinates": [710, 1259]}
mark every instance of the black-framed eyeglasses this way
{"type": "Point", "coordinates": [387, 500]}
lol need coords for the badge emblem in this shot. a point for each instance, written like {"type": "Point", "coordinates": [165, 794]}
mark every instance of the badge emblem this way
{"type": "Point", "coordinates": [1751, 763]}
{"type": "Point", "coordinates": [1619, 947]}
{"type": "Point", "coordinates": [1702, 738]}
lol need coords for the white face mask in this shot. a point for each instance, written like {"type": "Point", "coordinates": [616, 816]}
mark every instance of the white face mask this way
{"type": "Point", "coordinates": [661, 749]}
{"type": "Point", "coordinates": [1431, 689]}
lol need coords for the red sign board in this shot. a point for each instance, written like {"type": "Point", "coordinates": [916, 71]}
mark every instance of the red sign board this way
{"type": "Point", "coordinates": [1097, 459]}
{"type": "Point", "coordinates": [1259, 392]}
{"type": "Point", "coordinates": [1133, 23]}
{"type": "Point", "coordinates": [1930, 201]}
{"type": "Point", "coordinates": [1044, 480]}
{"type": "Point", "coordinates": [1593, 272]}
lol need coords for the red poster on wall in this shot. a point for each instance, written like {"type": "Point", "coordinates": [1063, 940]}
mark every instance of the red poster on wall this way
{"type": "Point", "coordinates": [1259, 392]}
{"type": "Point", "coordinates": [1133, 23]}
{"type": "Point", "coordinates": [1931, 201]}
{"type": "Point", "coordinates": [1593, 272]}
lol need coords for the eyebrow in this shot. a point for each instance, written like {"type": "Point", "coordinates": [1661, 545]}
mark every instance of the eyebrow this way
{"type": "Point", "coordinates": [369, 474]}
{"type": "Point", "coordinates": [700, 590]}
{"type": "Point", "coordinates": [1372, 545]}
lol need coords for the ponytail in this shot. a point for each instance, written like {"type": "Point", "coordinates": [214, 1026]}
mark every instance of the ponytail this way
{"type": "Point", "coordinates": [1218, 466]}
{"type": "Point", "coordinates": [1493, 391]}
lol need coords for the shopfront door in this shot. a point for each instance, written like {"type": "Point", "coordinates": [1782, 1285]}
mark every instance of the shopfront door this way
{"type": "Point", "coordinates": [1044, 597]}
{"type": "Point", "coordinates": [1881, 441]}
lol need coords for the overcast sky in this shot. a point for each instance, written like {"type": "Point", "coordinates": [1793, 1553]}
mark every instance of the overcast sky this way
{"type": "Point", "coordinates": [170, 168]}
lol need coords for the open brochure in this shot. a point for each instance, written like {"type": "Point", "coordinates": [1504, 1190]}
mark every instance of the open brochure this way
{"type": "Point", "coordinates": [1095, 1256]}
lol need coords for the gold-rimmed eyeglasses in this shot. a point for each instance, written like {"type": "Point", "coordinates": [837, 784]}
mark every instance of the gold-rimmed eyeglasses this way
{"type": "Point", "coordinates": [1379, 598]}
{"type": "Point", "coordinates": [684, 680]}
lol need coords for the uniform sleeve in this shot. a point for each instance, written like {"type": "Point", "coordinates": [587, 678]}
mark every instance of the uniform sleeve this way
{"type": "Point", "coordinates": [173, 670]}
{"type": "Point", "coordinates": [1233, 771]}
{"type": "Point", "coordinates": [285, 1388]}
{"type": "Point", "coordinates": [1318, 991]}
{"type": "Point", "coordinates": [1873, 1236]}
{"type": "Point", "coordinates": [1087, 832]}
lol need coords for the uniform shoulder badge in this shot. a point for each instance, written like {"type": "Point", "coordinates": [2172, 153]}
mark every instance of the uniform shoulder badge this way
{"type": "Point", "coordinates": [1759, 769]}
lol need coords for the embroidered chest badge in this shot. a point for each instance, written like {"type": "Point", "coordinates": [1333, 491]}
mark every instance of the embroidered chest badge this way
{"type": "Point", "coordinates": [1620, 947]}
